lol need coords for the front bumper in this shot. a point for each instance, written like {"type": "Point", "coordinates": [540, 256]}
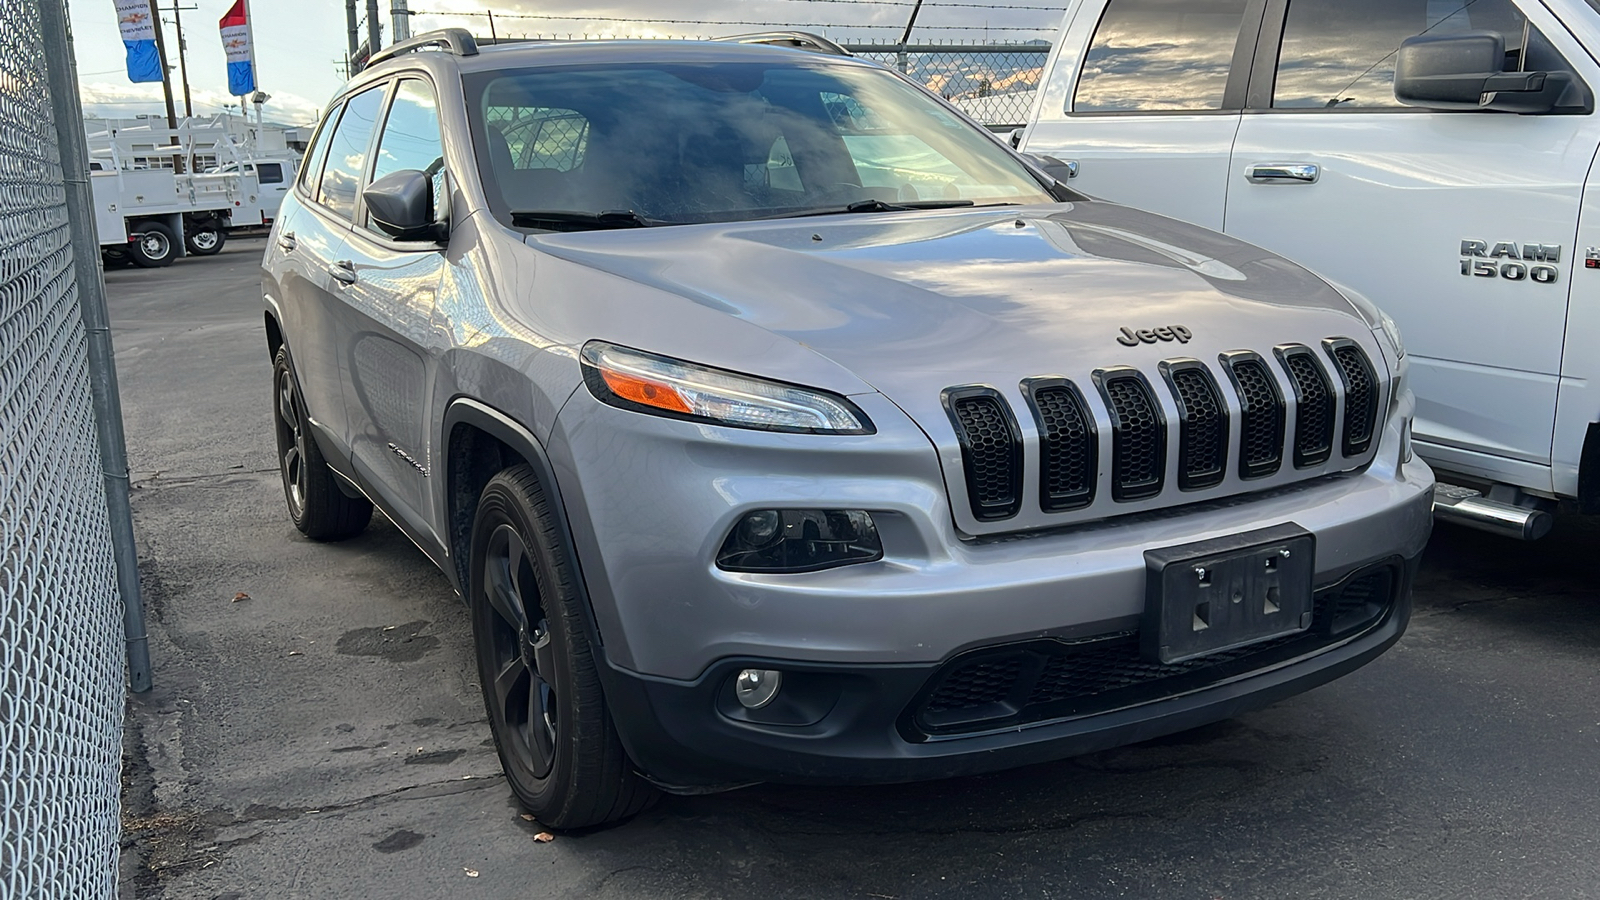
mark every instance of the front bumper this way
{"type": "Point", "coordinates": [693, 736]}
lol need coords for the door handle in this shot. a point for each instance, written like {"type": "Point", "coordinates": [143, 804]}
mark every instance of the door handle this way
{"type": "Point", "coordinates": [1283, 173]}
{"type": "Point", "coordinates": [286, 241]}
{"type": "Point", "coordinates": [343, 271]}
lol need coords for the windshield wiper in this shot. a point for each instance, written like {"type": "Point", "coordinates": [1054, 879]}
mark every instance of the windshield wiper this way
{"type": "Point", "coordinates": [873, 205]}
{"type": "Point", "coordinates": [572, 220]}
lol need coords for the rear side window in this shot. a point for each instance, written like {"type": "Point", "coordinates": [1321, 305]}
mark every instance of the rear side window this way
{"type": "Point", "coordinates": [347, 152]}
{"type": "Point", "coordinates": [269, 173]}
{"type": "Point", "coordinates": [317, 151]}
{"type": "Point", "coordinates": [1160, 56]}
{"type": "Point", "coordinates": [1340, 54]}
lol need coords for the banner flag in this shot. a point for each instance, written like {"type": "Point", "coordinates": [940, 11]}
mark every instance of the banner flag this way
{"type": "Point", "coordinates": [241, 52]}
{"type": "Point", "coordinates": [138, 29]}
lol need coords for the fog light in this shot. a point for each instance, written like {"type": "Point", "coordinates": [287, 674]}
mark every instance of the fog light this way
{"type": "Point", "coordinates": [755, 688]}
{"type": "Point", "coordinates": [799, 540]}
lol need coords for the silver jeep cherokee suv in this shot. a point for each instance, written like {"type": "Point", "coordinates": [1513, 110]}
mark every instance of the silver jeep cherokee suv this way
{"type": "Point", "coordinates": [779, 424]}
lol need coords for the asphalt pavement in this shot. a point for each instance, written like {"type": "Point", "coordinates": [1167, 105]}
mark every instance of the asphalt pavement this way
{"type": "Point", "coordinates": [315, 730]}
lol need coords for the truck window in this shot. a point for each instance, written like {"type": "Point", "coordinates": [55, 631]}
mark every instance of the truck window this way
{"type": "Point", "coordinates": [347, 152]}
{"type": "Point", "coordinates": [1341, 53]}
{"type": "Point", "coordinates": [1160, 56]}
{"type": "Point", "coordinates": [411, 137]}
{"type": "Point", "coordinates": [269, 173]}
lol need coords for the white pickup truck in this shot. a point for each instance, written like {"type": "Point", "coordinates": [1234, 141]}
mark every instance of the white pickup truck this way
{"type": "Point", "coordinates": [1437, 156]}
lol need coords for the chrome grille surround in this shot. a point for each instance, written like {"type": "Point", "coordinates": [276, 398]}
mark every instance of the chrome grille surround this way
{"type": "Point", "coordinates": [1084, 451]}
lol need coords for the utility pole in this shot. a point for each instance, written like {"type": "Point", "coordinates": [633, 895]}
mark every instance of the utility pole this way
{"type": "Point", "coordinates": [166, 84]}
{"type": "Point", "coordinates": [374, 28]}
{"type": "Point", "coordinates": [401, 29]}
{"type": "Point", "coordinates": [355, 32]}
{"type": "Point", "coordinates": [183, 60]}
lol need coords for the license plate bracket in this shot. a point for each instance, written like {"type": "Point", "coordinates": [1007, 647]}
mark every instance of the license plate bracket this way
{"type": "Point", "coordinates": [1225, 593]}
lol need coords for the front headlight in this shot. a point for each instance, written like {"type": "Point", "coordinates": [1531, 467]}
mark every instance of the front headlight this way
{"type": "Point", "coordinates": [1391, 331]}
{"type": "Point", "coordinates": [645, 382]}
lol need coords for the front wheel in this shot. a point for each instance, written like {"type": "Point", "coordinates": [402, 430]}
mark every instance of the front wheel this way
{"type": "Point", "coordinates": [316, 505]}
{"type": "Point", "coordinates": [154, 247]}
{"type": "Point", "coordinates": [554, 734]}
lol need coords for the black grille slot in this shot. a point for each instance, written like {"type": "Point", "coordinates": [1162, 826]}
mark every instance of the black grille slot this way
{"type": "Point", "coordinates": [1260, 417]}
{"type": "Point", "coordinates": [1360, 396]}
{"type": "Point", "coordinates": [1004, 687]}
{"type": "Point", "coordinates": [1139, 436]}
{"type": "Point", "coordinates": [991, 451]}
{"type": "Point", "coordinates": [1068, 445]}
{"type": "Point", "coordinates": [1202, 426]}
{"type": "Point", "coordinates": [1313, 420]}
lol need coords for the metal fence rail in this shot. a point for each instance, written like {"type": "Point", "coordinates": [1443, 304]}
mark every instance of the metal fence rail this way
{"type": "Point", "coordinates": [61, 675]}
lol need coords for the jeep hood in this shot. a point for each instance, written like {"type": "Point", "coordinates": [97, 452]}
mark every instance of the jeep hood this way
{"type": "Point", "coordinates": [911, 303]}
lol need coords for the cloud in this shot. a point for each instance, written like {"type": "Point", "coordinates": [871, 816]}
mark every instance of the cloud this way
{"type": "Point", "coordinates": [104, 98]}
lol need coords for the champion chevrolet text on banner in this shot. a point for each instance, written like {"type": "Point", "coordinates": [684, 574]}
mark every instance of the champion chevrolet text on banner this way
{"type": "Point", "coordinates": [241, 54]}
{"type": "Point", "coordinates": [138, 28]}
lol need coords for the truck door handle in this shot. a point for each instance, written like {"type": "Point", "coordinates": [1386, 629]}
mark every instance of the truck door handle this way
{"type": "Point", "coordinates": [1283, 173]}
{"type": "Point", "coordinates": [343, 271]}
{"type": "Point", "coordinates": [286, 241]}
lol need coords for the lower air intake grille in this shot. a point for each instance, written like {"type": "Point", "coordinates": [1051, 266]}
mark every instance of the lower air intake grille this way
{"type": "Point", "coordinates": [1067, 446]}
{"type": "Point", "coordinates": [1139, 437]}
{"type": "Point", "coordinates": [1313, 421]}
{"type": "Point", "coordinates": [1005, 687]}
{"type": "Point", "coordinates": [1360, 397]}
{"type": "Point", "coordinates": [991, 451]}
{"type": "Point", "coordinates": [1261, 417]}
{"type": "Point", "coordinates": [1203, 429]}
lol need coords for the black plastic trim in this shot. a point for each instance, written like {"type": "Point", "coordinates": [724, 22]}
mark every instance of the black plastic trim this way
{"type": "Point", "coordinates": [1031, 388]}
{"type": "Point", "coordinates": [1187, 481]}
{"type": "Point", "coordinates": [1229, 362]}
{"type": "Point", "coordinates": [992, 512]}
{"type": "Point", "coordinates": [1103, 379]}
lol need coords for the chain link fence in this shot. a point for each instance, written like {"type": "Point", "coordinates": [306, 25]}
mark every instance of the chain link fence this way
{"type": "Point", "coordinates": [993, 83]}
{"type": "Point", "coordinates": [61, 674]}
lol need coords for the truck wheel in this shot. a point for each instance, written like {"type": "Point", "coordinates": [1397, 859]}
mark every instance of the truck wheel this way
{"type": "Point", "coordinates": [155, 246]}
{"type": "Point", "coordinates": [207, 239]}
{"type": "Point", "coordinates": [115, 257]}
{"type": "Point", "coordinates": [554, 734]}
{"type": "Point", "coordinates": [316, 505]}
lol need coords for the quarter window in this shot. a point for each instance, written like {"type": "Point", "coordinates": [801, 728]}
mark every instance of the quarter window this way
{"type": "Point", "coordinates": [347, 152]}
{"type": "Point", "coordinates": [1160, 56]}
{"type": "Point", "coordinates": [411, 137]}
{"type": "Point", "coordinates": [1340, 54]}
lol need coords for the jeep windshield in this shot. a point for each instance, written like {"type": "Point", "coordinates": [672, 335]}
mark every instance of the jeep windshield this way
{"type": "Point", "coordinates": [649, 144]}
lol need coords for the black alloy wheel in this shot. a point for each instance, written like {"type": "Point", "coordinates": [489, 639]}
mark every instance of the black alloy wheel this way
{"type": "Point", "coordinates": [316, 504]}
{"type": "Point", "coordinates": [552, 729]}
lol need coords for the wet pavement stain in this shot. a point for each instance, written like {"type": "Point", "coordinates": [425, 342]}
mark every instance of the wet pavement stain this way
{"type": "Point", "coordinates": [400, 840]}
{"type": "Point", "coordinates": [400, 643]}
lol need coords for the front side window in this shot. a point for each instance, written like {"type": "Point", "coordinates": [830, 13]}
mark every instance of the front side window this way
{"type": "Point", "coordinates": [411, 137]}
{"type": "Point", "coordinates": [347, 152]}
{"type": "Point", "coordinates": [678, 144]}
{"type": "Point", "coordinates": [1160, 56]}
{"type": "Point", "coordinates": [1340, 54]}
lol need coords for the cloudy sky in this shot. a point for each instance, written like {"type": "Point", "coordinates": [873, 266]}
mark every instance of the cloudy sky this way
{"type": "Point", "coordinates": [299, 43]}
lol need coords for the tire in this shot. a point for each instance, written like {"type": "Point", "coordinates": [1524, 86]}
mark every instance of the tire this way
{"type": "Point", "coordinates": [156, 246]}
{"type": "Point", "coordinates": [115, 258]}
{"type": "Point", "coordinates": [554, 734]}
{"type": "Point", "coordinates": [206, 239]}
{"type": "Point", "coordinates": [316, 505]}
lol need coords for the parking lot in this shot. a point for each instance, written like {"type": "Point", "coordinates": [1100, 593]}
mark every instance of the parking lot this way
{"type": "Point", "coordinates": [316, 730]}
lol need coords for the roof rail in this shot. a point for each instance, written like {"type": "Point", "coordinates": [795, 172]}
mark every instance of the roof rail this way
{"type": "Point", "coordinates": [801, 40]}
{"type": "Point", "coordinates": [458, 40]}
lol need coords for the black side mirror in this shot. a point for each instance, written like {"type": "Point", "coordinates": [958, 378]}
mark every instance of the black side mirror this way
{"type": "Point", "coordinates": [400, 205]}
{"type": "Point", "coordinates": [1463, 71]}
{"type": "Point", "coordinates": [1061, 170]}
